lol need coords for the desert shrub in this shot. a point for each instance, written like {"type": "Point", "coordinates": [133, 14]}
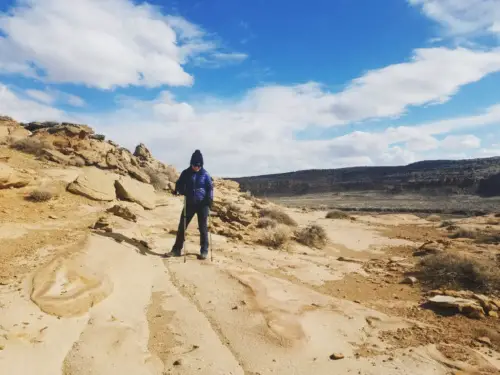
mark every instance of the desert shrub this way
{"type": "Point", "coordinates": [447, 223]}
{"type": "Point", "coordinates": [337, 214]}
{"type": "Point", "coordinates": [158, 182]}
{"type": "Point", "coordinates": [265, 222]}
{"type": "Point", "coordinates": [278, 216]}
{"type": "Point", "coordinates": [99, 137]}
{"type": "Point", "coordinates": [490, 238]}
{"type": "Point", "coordinates": [158, 179]}
{"type": "Point", "coordinates": [40, 196]}
{"type": "Point", "coordinates": [433, 218]}
{"type": "Point", "coordinates": [32, 145]}
{"type": "Point", "coordinates": [459, 271]}
{"type": "Point", "coordinates": [171, 174]}
{"type": "Point", "coordinates": [464, 233]}
{"type": "Point", "coordinates": [276, 238]}
{"type": "Point", "coordinates": [8, 140]}
{"type": "Point", "coordinates": [312, 236]}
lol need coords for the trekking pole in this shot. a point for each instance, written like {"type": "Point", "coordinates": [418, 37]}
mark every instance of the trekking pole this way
{"type": "Point", "coordinates": [211, 241]}
{"type": "Point", "coordinates": [185, 243]}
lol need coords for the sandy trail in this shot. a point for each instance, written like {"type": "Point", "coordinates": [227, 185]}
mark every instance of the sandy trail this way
{"type": "Point", "coordinates": [112, 308]}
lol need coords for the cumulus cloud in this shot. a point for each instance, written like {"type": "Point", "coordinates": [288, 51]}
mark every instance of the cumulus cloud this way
{"type": "Point", "coordinates": [51, 96]}
{"type": "Point", "coordinates": [250, 137]}
{"type": "Point", "coordinates": [460, 142]}
{"type": "Point", "coordinates": [102, 44]}
{"type": "Point", "coordinates": [25, 109]}
{"type": "Point", "coordinates": [245, 137]}
{"type": "Point", "coordinates": [463, 17]}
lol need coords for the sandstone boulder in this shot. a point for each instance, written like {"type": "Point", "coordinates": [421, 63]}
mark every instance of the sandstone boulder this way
{"type": "Point", "coordinates": [11, 129]}
{"type": "Point", "coordinates": [468, 307]}
{"type": "Point", "coordinates": [138, 174]}
{"type": "Point", "coordinates": [142, 152]}
{"type": "Point", "coordinates": [94, 184]}
{"type": "Point", "coordinates": [10, 178]}
{"type": "Point", "coordinates": [123, 212]}
{"type": "Point", "coordinates": [135, 191]}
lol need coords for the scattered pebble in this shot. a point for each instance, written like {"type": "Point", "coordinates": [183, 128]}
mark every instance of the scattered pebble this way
{"type": "Point", "coordinates": [484, 340]}
{"type": "Point", "coordinates": [410, 280]}
{"type": "Point", "coordinates": [178, 362]}
{"type": "Point", "coordinates": [336, 356]}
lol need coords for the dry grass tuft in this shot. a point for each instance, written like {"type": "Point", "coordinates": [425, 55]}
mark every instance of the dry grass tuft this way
{"type": "Point", "coordinates": [278, 216]}
{"type": "Point", "coordinates": [433, 218]}
{"type": "Point", "coordinates": [447, 223]}
{"type": "Point", "coordinates": [458, 271]}
{"type": "Point", "coordinates": [266, 222]}
{"type": "Point", "coordinates": [337, 214]}
{"type": "Point", "coordinates": [158, 179]}
{"type": "Point", "coordinates": [489, 237]}
{"type": "Point", "coordinates": [32, 145]}
{"type": "Point", "coordinates": [312, 236]}
{"type": "Point", "coordinates": [276, 238]}
{"type": "Point", "coordinates": [464, 233]}
{"type": "Point", "coordinates": [40, 196]}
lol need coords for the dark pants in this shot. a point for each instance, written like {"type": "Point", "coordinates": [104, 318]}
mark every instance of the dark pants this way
{"type": "Point", "coordinates": [201, 212]}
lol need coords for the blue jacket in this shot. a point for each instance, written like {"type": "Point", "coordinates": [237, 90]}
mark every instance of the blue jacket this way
{"type": "Point", "coordinates": [196, 186]}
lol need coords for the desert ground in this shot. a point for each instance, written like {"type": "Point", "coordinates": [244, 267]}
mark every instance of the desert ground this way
{"type": "Point", "coordinates": [371, 201]}
{"type": "Point", "coordinates": [84, 288]}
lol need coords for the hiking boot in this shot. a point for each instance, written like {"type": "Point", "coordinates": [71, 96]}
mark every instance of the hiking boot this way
{"type": "Point", "coordinates": [203, 256]}
{"type": "Point", "coordinates": [172, 254]}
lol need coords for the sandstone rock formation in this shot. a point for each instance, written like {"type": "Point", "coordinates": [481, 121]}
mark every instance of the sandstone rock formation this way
{"type": "Point", "coordinates": [75, 144]}
{"type": "Point", "coordinates": [135, 191]}
{"type": "Point", "coordinates": [123, 212]}
{"type": "Point", "coordinates": [11, 130]}
{"type": "Point", "coordinates": [94, 184]}
{"type": "Point", "coordinates": [10, 178]}
{"type": "Point", "coordinates": [472, 305]}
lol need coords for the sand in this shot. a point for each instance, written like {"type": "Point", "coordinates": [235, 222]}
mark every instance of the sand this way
{"type": "Point", "coordinates": [103, 306]}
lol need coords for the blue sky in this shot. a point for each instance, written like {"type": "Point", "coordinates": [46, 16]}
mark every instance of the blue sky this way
{"type": "Point", "coordinates": [262, 86]}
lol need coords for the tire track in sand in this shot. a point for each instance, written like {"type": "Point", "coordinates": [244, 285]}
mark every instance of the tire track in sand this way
{"type": "Point", "coordinates": [188, 295]}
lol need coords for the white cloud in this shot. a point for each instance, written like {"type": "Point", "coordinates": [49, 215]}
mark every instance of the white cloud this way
{"type": "Point", "coordinates": [256, 134]}
{"type": "Point", "coordinates": [247, 137]}
{"type": "Point", "coordinates": [460, 142]}
{"type": "Point", "coordinates": [51, 96]}
{"type": "Point", "coordinates": [463, 17]}
{"type": "Point", "coordinates": [41, 96]}
{"type": "Point", "coordinates": [75, 101]}
{"type": "Point", "coordinates": [101, 44]}
{"type": "Point", "coordinates": [25, 109]}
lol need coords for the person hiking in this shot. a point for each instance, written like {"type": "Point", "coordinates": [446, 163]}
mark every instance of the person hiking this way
{"type": "Point", "coordinates": [196, 184]}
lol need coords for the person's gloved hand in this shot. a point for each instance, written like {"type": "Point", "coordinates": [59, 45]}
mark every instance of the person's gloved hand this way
{"type": "Point", "coordinates": [209, 202]}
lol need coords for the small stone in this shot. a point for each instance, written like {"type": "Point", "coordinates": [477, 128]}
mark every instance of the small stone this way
{"type": "Point", "coordinates": [411, 280]}
{"type": "Point", "coordinates": [53, 217]}
{"type": "Point", "coordinates": [178, 362]}
{"type": "Point", "coordinates": [493, 314]}
{"type": "Point", "coordinates": [235, 308]}
{"type": "Point", "coordinates": [484, 340]}
{"type": "Point", "coordinates": [336, 356]}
